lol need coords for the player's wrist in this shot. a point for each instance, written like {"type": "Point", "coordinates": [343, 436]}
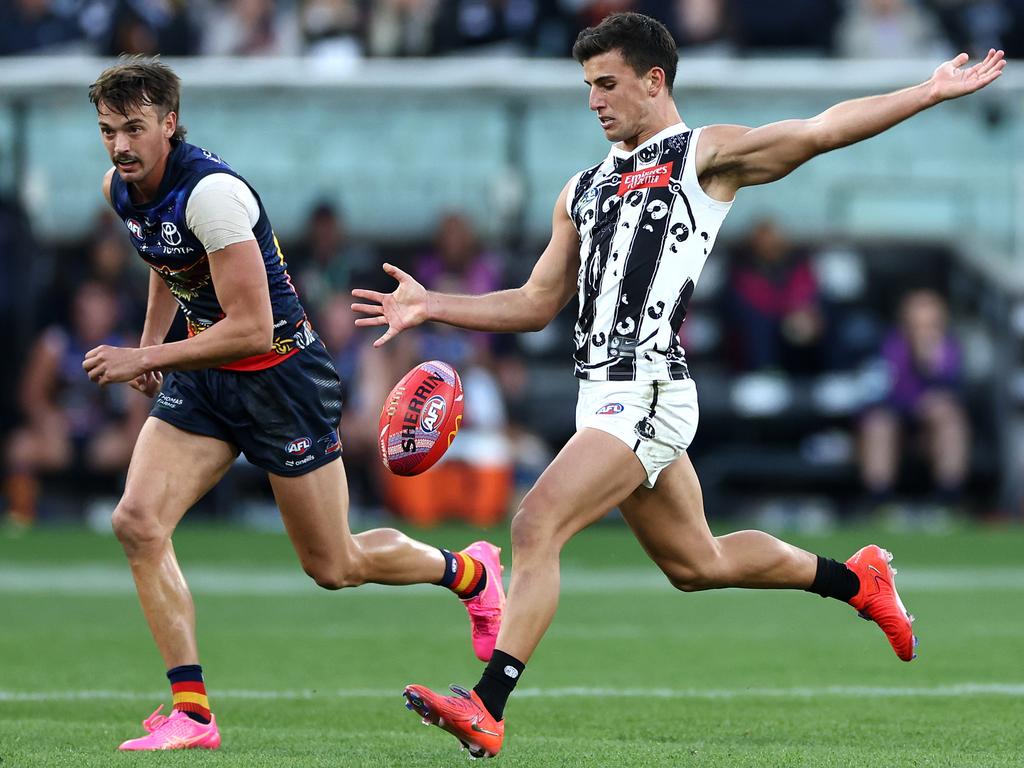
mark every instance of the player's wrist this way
{"type": "Point", "coordinates": [430, 307]}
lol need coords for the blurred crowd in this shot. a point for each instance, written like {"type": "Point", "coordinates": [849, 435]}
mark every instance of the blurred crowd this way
{"type": "Point", "coordinates": [769, 313]}
{"type": "Point", "coordinates": [348, 29]}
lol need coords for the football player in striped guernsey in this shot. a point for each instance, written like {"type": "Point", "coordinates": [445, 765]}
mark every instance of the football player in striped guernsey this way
{"type": "Point", "coordinates": [629, 238]}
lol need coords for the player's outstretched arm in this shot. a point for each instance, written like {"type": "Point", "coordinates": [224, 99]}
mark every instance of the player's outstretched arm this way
{"type": "Point", "coordinates": [733, 156]}
{"type": "Point", "coordinates": [527, 308]}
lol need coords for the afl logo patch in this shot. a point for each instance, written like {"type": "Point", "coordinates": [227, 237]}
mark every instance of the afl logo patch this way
{"type": "Point", "coordinates": [433, 413]}
{"type": "Point", "coordinates": [134, 227]}
{"type": "Point", "coordinates": [609, 409]}
{"type": "Point", "coordinates": [169, 232]}
{"type": "Point", "coordinates": [298, 446]}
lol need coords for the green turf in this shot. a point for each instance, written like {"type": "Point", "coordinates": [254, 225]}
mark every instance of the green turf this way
{"type": "Point", "coordinates": [736, 678]}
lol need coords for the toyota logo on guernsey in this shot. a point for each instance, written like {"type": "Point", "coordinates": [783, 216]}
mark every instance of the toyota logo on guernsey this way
{"type": "Point", "coordinates": [433, 413]}
{"type": "Point", "coordinates": [169, 232]}
{"type": "Point", "coordinates": [298, 446]}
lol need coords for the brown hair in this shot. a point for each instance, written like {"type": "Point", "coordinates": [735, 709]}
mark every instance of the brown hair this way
{"type": "Point", "coordinates": [643, 42]}
{"type": "Point", "coordinates": [135, 82]}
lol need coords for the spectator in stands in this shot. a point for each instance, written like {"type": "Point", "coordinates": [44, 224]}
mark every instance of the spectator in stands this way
{"type": "Point", "coordinates": [774, 307]}
{"type": "Point", "coordinates": [332, 29]}
{"type": "Point", "coordinates": [151, 27]}
{"type": "Point", "coordinates": [887, 29]}
{"type": "Point", "coordinates": [400, 28]}
{"type": "Point", "coordinates": [323, 261]}
{"type": "Point", "coordinates": [922, 403]}
{"type": "Point", "coordinates": [696, 25]}
{"type": "Point", "coordinates": [18, 288]}
{"type": "Point", "coordinates": [806, 25]}
{"type": "Point", "coordinates": [252, 28]}
{"type": "Point", "coordinates": [487, 26]}
{"type": "Point", "coordinates": [459, 263]}
{"type": "Point", "coordinates": [38, 26]}
{"type": "Point", "coordinates": [68, 422]}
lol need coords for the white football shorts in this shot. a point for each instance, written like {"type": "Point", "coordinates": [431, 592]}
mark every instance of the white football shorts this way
{"type": "Point", "coordinates": [656, 419]}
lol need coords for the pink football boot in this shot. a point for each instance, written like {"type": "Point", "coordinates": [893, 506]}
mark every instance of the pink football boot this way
{"type": "Point", "coordinates": [179, 731]}
{"type": "Point", "coordinates": [485, 609]}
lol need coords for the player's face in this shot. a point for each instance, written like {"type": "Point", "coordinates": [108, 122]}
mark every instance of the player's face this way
{"type": "Point", "coordinates": [138, 143]}
{"type": "Point", "coordinates": [621, 98]}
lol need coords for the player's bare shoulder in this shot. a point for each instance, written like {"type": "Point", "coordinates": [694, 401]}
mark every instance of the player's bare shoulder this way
{"type": "Point", "coordinates": [716, 160]}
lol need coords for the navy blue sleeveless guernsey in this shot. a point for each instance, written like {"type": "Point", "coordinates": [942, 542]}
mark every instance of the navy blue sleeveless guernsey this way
{"type": "Point", "coordinates": [162, 238]}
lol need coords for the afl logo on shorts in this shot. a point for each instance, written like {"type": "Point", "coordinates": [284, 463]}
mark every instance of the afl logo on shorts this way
{"type": "Point", "coordinates": [608, 409]}
{"type": "Point", "coordinates": [298, 446]}
{"type": "Point", "coordinates": [433, 414]}
{"type": "Point", "coordinates": [134, 227]}
{"type": "Point", "coordinates": [169, 232]}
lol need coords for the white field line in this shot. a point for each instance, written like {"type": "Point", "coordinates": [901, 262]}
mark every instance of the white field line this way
{"type": "Point", "coordinates": [957, 690]}
{"type": "Point", "coordinates": [109, 579]}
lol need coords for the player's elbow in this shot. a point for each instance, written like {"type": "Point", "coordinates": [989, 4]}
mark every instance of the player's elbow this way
{"type": "Point", "coordinates": [258, 338]}
{"type": "Point", "coordinates": [818, 136]}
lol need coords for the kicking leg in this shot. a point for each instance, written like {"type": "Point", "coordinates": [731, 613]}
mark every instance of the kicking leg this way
{"type": "Point", "coordinates": [669, 522]}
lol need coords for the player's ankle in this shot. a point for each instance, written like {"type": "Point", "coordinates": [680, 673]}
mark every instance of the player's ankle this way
{"type": "Point", "coordinates": [498, 681]}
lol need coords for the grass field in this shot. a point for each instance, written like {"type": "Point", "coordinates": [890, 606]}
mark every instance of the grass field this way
{"type": "Point", "coordinates": [631, 674]}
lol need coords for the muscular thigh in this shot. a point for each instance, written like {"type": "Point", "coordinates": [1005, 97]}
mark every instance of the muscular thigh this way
{"type": "Point", "coordinates": [669, 520]}
{"type": "Point", "coordinates": [588, 477]}
{"type": "Point", "coordinates": [172, 469]}
{"type": "Point", "coordinates": [314, 508]}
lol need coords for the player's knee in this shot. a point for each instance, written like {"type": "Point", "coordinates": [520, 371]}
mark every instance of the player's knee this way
{"type": "Point", "coordinates": [531, 529]}
{"type": "Point", "coordinates": [136, 526]}
{"type": "Point", "coordinates": [694, 577]}
{"type": "Point", "coordinates": [334, 576]}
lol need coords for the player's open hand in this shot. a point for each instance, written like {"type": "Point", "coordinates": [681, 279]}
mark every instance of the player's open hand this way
{"type": "Point", "coordinates": [109, 365]}
{"type": "Point", "coordinates": [405, 307]}
{"type": "Point", "coordinates": [950, 80]}
{"type": "Point", "coordinates": [148, 383]}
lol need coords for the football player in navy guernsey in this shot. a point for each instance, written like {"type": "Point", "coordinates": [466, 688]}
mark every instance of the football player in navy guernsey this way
{"type": "Point", "coordinates": [251, 377]}
{"type": "Point", "coordinates": [630, 236]}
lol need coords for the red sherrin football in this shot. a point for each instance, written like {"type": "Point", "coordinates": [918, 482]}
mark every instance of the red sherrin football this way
{"type": "Point", "coordinates": [420, 418]}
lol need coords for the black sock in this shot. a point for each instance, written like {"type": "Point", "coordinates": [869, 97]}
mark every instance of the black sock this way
{"type": "Point", "coordinates": [834, 579]}
{"type": "Point", "coordinates": [498, 682]}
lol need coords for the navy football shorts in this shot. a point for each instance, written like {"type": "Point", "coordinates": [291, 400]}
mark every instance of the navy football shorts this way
{"type": "Point", "coordinates": [284, 419]}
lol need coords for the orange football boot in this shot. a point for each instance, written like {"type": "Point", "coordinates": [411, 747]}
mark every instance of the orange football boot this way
{"type": "Point", "coordinates": [878, 601]}
{"type": "Point", "coordinates": [463, 715]}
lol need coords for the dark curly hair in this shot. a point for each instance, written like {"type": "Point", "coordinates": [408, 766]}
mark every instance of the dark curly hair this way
{"type": "Point", "coordinates": [136, 82]}
{"type": "Point", "coordinates": [644, 43]}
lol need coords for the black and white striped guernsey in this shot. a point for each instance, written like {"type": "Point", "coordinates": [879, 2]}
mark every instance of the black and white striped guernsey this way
{"type": "Point", "coordinates": [646, 228]}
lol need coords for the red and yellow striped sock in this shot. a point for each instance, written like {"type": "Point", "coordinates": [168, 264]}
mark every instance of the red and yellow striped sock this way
{"type": "Point", "coordinates": [464, 575]}
{"type": "Point", "coordinates": [189, 691]}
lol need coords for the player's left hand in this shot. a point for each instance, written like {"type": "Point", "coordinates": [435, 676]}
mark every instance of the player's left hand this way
{"type": "Point", "coordinates": [950, 80]}
{"type": "Point", "coordinates": [109, 365]}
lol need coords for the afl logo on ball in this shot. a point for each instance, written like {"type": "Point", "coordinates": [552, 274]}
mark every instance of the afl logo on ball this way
{"type": "Point", "coordinates": [433, 414]}
{"type": "Point", "coordinates": [609, 409]}
{"type": "Point", "coordinates": [298, 446]}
